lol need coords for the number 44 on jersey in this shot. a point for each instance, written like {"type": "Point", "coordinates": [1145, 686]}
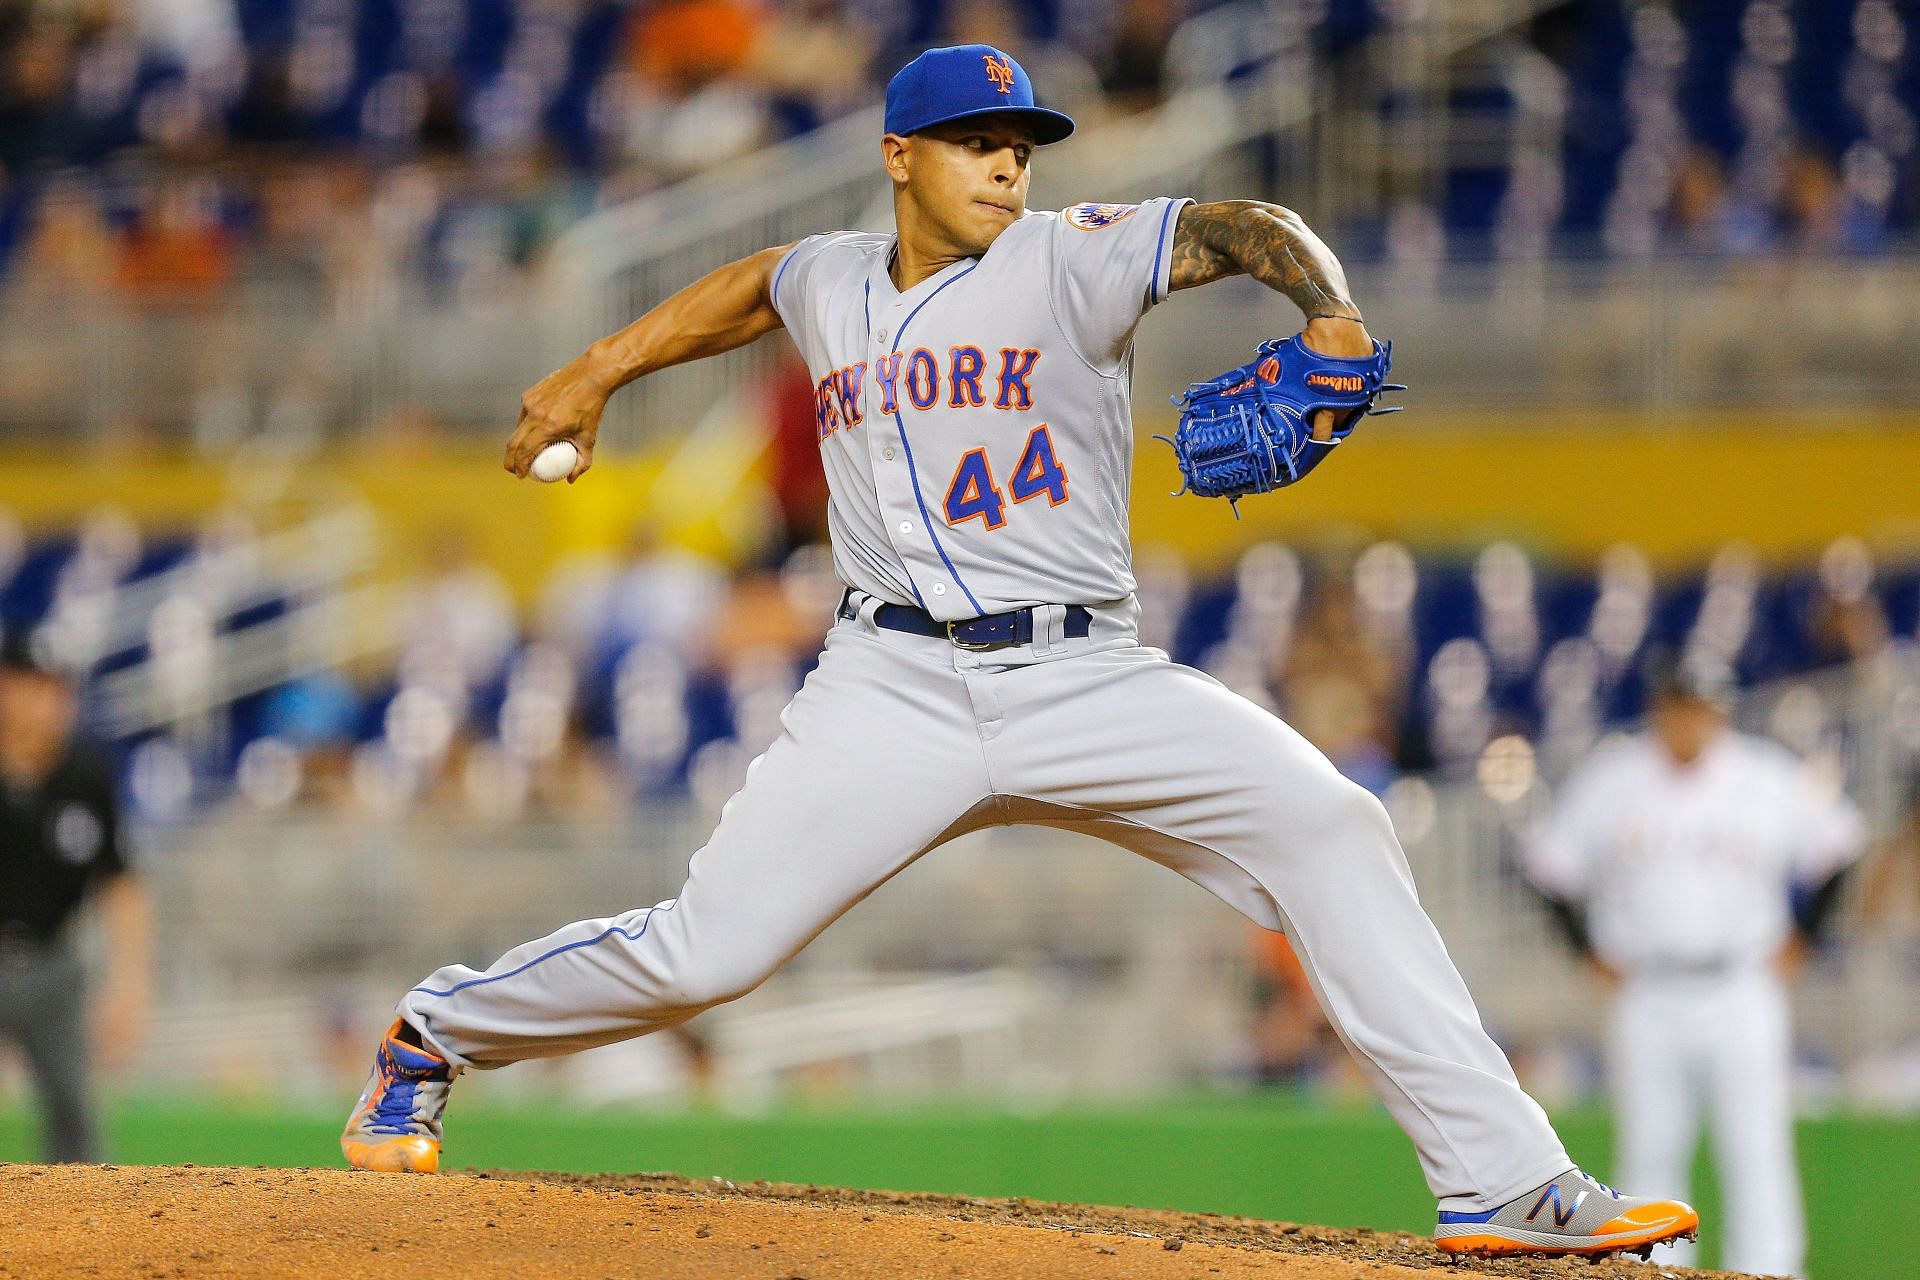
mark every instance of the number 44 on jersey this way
{"type": "Point", "coordinates": [973, 495]}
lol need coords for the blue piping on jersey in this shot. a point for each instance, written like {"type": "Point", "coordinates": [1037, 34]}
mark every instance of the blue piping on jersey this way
{"type": "Point", "coordinates": [913, 473]}
{"type": "Point", "coordinates": [557, 951]}
{"type": "Point", "coordinates": [773, 294]}
{"type": "Point", "coordinates": [1159, 247]}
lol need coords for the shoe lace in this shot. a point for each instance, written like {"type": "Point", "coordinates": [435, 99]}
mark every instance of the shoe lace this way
{"type": "Point", "coordinates": [393, 1113]}
{"type": "Point", "coordinates": [1603, 1186]}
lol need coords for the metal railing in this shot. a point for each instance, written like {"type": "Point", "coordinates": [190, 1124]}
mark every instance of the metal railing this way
{"type": "Point", "coordinates": [234, 617]}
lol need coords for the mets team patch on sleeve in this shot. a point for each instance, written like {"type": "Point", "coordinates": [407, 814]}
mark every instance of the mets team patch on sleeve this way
{"type": "Point", "coordinates": [1092, 217]}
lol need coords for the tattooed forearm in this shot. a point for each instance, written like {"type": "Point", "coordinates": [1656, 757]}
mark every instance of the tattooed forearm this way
{"type": "Point", "coordinates": [1265, 241]}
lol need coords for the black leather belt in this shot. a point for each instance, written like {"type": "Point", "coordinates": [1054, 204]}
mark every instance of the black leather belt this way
{"type": "Point", "coordinates": [993, 631]}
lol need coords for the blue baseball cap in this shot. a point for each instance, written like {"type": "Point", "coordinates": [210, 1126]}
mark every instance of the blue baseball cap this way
{"type": "Point", "coordinates": [965, 80]}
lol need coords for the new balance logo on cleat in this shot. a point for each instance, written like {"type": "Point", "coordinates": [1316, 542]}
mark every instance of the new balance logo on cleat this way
{"type": "Point", "coordinates": [1571, 1215]}
{"type": "Point", "coordinates": [1553, 1193]}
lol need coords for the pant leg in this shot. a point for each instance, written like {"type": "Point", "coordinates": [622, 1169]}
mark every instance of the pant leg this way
{"type": "Point", "coordinates": [1655, 1052]}
{"type": "Point", "coordinates": [1750, 1105]}
{"type": "Point", "coordinates": [49, 1022]}
{"type": "Point", "coordinates": [1165, 761]}
{"type": "Point", "coordinates": [878, 760]}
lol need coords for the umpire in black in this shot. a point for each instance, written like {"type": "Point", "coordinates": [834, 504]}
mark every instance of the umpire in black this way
{"type": "Point", "coordinates": [61, 845]}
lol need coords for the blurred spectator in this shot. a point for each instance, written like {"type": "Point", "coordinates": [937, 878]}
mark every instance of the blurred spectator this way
{"type": "Point", "coordinates": [1810, 199]}
{"type": "Point", "coordinates": [460, 624]}
{"type": "Point", "coordinates": [1133, 72]}
{"type": "Point", "coordinates": [176, 249]}
{"type": "Point", "coordinates": [763, 621]}
{"type": "Point", "coordinates": [1890, 897]}
{"type": "Point", "coordinates": [1849, 622]}
{"type": "Point", "coordinates": [1339, 687]}
{"type": "Point", "coordinates": [39, 123]}
{"type": "Point", "coordinates": [61, 845]}
{"type": "Point", "coordinates": [816, 62]}
{"type": "Point", "coordinates": [70, 248]}
{"type": "Point", "coordinates": [315, 721]}
{"type": "Point", "coordinates": [691, 102]}
{"type": "Point", "coordinates": [1699, 210]}
{"type": "Point", "coordinates": [1293, 1044]}
{"type": "Point", "coordinates": [202, 36]}
{"type": "Point", "coordinates": [664, 594]}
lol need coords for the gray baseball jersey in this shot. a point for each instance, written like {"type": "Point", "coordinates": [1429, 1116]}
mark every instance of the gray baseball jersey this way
{"type": "Point", "coordinates": [977, 430]}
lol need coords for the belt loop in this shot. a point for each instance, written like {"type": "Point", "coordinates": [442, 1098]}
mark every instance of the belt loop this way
{"type": "Point", "coordinates": [1056, 629]}
{"type": "Point", "coordinates": [866, 609]}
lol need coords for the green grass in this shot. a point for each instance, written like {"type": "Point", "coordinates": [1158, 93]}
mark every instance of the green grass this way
{"type": "Point", "coordinates": [1270, 1156]}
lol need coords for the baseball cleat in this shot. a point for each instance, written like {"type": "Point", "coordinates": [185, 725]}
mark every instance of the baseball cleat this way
{"type": "Point", "coordinates": [1573, 1214]}
{"type": "Point", "coordinates": [396, 1126]}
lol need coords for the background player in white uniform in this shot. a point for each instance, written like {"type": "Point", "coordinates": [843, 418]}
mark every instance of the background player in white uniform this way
{"type": "Point", "coordinates": [1685, 846]}
{"type": "Point", "coordinates": [972, 391]}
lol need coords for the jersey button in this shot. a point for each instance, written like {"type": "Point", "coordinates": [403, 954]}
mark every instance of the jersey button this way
{"type": "Point", "coordinates": [906, 526]}
{"type": "Point", "coordinates": [883, 335]}
{"type": "Point", "coordinates": [939, 588]}
{"type": "Point", "coordinates": [888, 453]}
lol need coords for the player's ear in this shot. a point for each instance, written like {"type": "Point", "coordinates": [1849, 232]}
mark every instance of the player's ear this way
{"type": "Point", "coordinates": [893, 156]}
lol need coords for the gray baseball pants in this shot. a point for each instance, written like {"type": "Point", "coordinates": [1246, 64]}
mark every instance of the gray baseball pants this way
{"type": "Point", "coordinates": [897, 743]}
{"type": "Point", "coordinates": [43, 1009]}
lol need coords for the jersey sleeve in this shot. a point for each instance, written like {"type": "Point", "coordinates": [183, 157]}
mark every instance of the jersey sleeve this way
{"type": "Point", "coordinates": [1825, 828]}
{"type": "Point", "coordinates": [1111, 263]}
{"type": "Point", "coordinates": [797, 281]}
{"type": "Point", "coordinates": [1561, 850]}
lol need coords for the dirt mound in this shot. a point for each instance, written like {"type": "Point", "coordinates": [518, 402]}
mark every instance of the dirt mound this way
{"type": "Point", "coordinates": [109, 1221]}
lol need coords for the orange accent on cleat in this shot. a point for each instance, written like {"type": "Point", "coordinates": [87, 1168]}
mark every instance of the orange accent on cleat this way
{"type": "Point", "coordinates": [1480, 1246]}
{"type": "Point", "coordinates": [1655, 1217]}
{"type": "Point", "coordinates": [1642, 1227]}
{"type": "Point", "coordinates": [402, 1155]}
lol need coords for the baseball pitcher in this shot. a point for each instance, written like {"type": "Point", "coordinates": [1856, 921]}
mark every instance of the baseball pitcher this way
{"type": "Point", "coordinates": [971, 381]}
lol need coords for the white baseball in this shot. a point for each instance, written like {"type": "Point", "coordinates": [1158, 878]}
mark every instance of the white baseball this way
{"type": "Point", "coordinates": [555, 462]}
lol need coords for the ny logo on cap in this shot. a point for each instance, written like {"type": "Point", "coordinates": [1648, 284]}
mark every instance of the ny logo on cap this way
{"type": "Point", "coordinates": [1000, 72]}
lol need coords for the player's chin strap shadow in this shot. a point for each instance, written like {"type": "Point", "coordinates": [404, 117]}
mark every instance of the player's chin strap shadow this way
{"type": "Point", "coordinates": [1372, 410]}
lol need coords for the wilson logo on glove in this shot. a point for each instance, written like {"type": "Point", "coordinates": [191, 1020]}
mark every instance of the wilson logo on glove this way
{"type": "Point", "coordinates": [1347, 382]}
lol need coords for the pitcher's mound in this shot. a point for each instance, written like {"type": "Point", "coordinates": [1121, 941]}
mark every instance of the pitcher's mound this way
{"type": "Point", "coordinates": [107, 1221]}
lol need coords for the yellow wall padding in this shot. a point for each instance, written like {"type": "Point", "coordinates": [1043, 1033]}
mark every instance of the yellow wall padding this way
{"type": "Point", "coordinates": [1576, 485]}
{"type": "Point", "coordinates": [1568, 485]}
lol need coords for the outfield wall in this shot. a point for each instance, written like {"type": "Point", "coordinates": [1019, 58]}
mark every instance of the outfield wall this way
{"type": "Point", "coordinates": [1566, 484]}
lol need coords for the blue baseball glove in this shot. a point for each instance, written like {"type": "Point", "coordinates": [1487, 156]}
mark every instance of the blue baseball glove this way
{"type": "Point", "coordinates": [1251, 429]}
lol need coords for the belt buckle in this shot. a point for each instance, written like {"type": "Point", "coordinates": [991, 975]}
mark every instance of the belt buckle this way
{"type": "Point", "coordinates": [974, 646]}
